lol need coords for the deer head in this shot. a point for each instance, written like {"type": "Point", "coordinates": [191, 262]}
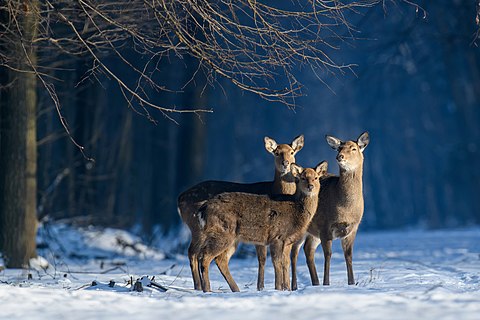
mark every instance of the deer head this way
{"type": "Point", "coordinates": [308, 180]}
{"type": "Point", "coordinates": [284, 153]}
{"type": "Point", "coordinates": [350, 153]}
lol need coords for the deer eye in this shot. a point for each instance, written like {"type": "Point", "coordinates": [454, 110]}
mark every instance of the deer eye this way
{"type": "Point", "coordinates": [291, 152]}
{"type": "Point", "coordinates": [354, 149]}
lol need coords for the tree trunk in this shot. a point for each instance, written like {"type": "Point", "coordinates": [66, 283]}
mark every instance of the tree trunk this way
{"type": "Point", "coordinates": [191, 142]}
{"type": "Point", "coordinates": [191, 145]}
{"type": "Point", "coordinates": [18, 154]}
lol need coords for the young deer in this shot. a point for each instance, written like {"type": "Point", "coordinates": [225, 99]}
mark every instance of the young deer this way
{"type": "Point", "coordinates": [339, 212]}
{"type": "Point", "coordinates": [190, 201]}
{"type": "Point", "coordinates": [278, 221]}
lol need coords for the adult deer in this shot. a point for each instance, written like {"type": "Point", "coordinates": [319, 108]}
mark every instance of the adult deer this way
{"type": "Point", "coordinates": [339, 212]}
{"type": "Point", "coordinates": [278, 221]}
{"type": "Point", "coordinates": [190, 201]}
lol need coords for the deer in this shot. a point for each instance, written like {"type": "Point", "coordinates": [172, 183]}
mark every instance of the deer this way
{"type": "Point", "coordinates": [277, 221]}
{"type": "Point", "coordinates": [339, 212]}
{"type": "Point", "coordinates": [190, 201]}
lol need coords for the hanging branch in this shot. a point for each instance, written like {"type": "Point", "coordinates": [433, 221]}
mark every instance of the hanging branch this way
{"type": "Point", "coordinates": [259, 46]}
{"type": "Point", "coordinates": [255, 45]}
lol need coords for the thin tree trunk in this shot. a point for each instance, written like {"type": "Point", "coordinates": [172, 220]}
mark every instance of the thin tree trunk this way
{"type": "Point", "coordinates": [191, 149]}
{"type": "Point", "coordinates": [18, 154]}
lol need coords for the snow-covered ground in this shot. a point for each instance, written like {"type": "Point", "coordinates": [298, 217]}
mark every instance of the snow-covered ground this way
{"type": "Point", "coordinates": [400, 275]}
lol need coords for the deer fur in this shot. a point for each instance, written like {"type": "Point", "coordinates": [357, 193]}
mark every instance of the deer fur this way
{"type": "Point", "coordinates": [339, 212]}
{"type": "Point", "coordinates": [277, 221]}
{"type": "Point", "coordinates": [190, 201]}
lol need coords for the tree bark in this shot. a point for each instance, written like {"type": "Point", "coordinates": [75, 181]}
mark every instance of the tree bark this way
{"type": "Point", "coordinates": [18, 154]}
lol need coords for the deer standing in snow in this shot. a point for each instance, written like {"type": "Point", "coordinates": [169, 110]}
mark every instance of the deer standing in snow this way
{"type": "Point", "coordinates": [278, 221]}
{"type": "Point", "coordinates": [339, 212]}
{"type": "Point", "coordinates": [190, 201]}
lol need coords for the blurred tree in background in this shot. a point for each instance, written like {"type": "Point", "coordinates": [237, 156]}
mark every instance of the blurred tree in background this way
{"type": "Point", "coordinates": [18, 140]}
{"type": "Point", "coordinates": [91, 59]}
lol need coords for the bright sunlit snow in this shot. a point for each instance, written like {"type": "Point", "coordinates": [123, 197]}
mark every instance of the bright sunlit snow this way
{"type": "Point", "coordinates": [400, 275]}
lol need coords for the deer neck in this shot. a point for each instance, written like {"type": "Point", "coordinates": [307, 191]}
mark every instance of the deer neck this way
{"type": "Point", "coordinates": [309, 203]}
{"type": "Point", "coordinates": [350, 184]}
{"type": "Point", "coordinates": [283, 183]}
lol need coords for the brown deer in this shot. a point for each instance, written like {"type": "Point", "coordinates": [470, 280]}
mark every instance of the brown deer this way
{"type": "Point", "coordinates": [339, 212]}
{"type": "Point", "coordinates": [278, 221]}
{"type": "Point", "coordinates": [190, 201]}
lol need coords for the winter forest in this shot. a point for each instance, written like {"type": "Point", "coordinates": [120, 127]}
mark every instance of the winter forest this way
{"type": "Point", "coordinates": [109, 110]}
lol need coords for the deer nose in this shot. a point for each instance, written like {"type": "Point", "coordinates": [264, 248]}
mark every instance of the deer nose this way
{"type": "Point", "coordinates": [340, 157]}
{"type": "Point", "coordinates": [285, 163]}
{"type": "Point", "coordinates": [310, 187]}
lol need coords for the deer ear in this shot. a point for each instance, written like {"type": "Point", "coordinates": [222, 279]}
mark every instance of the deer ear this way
{"type": "Point", "coordinates": [270, 144]}
{"type": "Point", "coordinates": [297, 143]}
{"type": "Point", "coordinates": [322, 168]}
{"type": "Point", "coordinates": [363, 141]}
{"type": "Point", "coordinates": [296, 170]}
{"type": "Point", "coordinates": [333, 142]}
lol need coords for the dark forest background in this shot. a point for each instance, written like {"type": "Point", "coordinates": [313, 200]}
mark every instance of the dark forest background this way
{"type": "Point", "coordinates": [416, 89]}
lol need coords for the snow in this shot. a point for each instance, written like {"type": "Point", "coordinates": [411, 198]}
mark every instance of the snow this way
{"type": "Point", "coordinates": [401, 274]}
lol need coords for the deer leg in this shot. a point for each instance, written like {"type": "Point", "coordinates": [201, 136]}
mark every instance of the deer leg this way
{"type": "Point", "coordinates": [212, 247]}
{"type": "Point", "coordinates": [294, 257]}
{"type": "Point", "coordinates": [193, 257]}
{"type": "Point", "coordinates": [311, 244]}
{"type": "Point", "coordinates": [327, 253]}
{"type": "Point", "coordinates": [204, 262]}
{"type": "Point", "coordinates": [262, 258]}
{"type": "Point", "coordinates": [347, 246]}
{"type": "Point", "coordinates": [222, 264]}
{"type": "Point", "coordinates": [286, 267]}
{"type": "Point", "coordinates": [276, 251]}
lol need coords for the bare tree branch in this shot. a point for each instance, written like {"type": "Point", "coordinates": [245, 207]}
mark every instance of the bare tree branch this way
{"type": "Point", "coordinates": [254, 44]}
{"type": "Point", "coordinates": [257, 45]}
